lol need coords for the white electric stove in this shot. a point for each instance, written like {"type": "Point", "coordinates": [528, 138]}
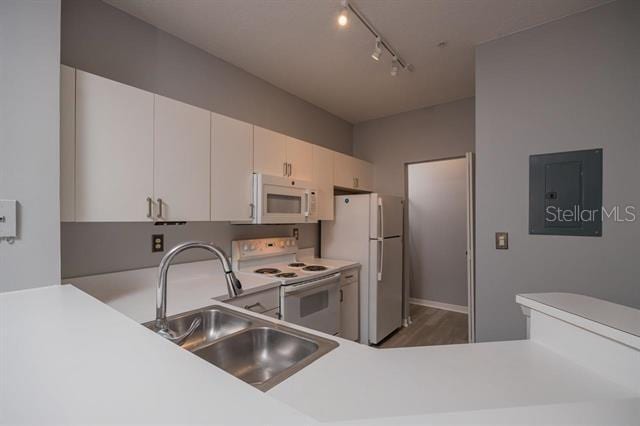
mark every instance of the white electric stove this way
{"type": "Point", "coordinates": [310, 291]}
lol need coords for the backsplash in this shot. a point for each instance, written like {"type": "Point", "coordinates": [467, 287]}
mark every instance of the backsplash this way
{"type": "Point", "coordinates": [102, 247]}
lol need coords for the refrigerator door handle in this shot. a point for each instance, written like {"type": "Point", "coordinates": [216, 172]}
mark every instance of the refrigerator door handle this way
{"type": "Point", "coordinates": [381, 257]}
{"type": "Point", "coordinates": [381, 237]}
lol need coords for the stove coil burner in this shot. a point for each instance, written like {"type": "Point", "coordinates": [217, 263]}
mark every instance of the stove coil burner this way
{"type": "Point", "coordinates": [267, 271]}
{"type": "Point", "coordinates": [315, 268]}
{"type": "Point", "coordinates": [297, 264]}
{"type": "Point", "coordinates": [287, 275]}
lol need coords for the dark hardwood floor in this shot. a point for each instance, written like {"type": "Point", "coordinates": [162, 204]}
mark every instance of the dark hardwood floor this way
{"type": "Point", "coordinates": [429, 326]}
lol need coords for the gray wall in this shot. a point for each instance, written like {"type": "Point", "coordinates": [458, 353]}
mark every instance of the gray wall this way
{"type": "Point", "coordinates": [29, 140]}
{"type": "Point", "coordinates": [103, 40]}
{"type": "Point", "coordinates": [441, 131]}
{"type": "Point", "coordinates": [567, 85]}
{"type": "Point", "coordinates": [94, 248]}
{"type": "Point", "coordinates": [437, 205]}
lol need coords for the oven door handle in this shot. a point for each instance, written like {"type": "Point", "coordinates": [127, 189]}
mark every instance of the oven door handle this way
{"type": "Point", "coordinates": [304, 287]}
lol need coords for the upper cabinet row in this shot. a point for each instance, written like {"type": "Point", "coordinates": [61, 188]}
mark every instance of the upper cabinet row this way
{"type": "Point", "coordinates": [131, 155]}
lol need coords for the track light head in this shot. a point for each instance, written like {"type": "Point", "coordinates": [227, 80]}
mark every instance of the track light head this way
{"type": "Point", "coordinates": [377, 50]}
{"type": "Point", "coordinates": [343, 17]}
{"type": "Point", "coordinates": [395, 67]}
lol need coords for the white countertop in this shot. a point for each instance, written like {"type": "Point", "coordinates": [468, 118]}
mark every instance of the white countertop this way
{"type": "Point", "coordinates": [67, 358]}
{"type": "Point", "coordinates": [190, 286]}
{"type": "Point", "coordinates": [88, 363]}
{"type": "Point", "coordinates": [616, 322]}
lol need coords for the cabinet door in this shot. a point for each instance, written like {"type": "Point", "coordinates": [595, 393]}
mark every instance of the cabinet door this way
{"type": "Point", "coordinates": [300, 159]}
{"type": "Point", "coordinates": [269, 152]}
{"type": "Point", "coordinates": [67, 143]}
{"type": "Point", "coordinates": [344, 170]}
{"type": "Point", "coordinates": [114, 150]}
{"type": "Point", "coordinates": [181, 161]}
{"type": "Point", "coordinates": [323, 181]}
{"type": "Point", "coordinates": [349, 311]}
{"type": "Point", "coordinates": [364, 175]}
{"type": "Point", "coordinates": [231, 169]}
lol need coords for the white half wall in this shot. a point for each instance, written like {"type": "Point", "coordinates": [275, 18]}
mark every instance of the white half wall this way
{"type": "Point", "coordinates": [29, 140]}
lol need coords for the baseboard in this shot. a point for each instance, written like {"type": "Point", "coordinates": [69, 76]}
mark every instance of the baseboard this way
{"type": "Point", "coordinates": [439, 305]}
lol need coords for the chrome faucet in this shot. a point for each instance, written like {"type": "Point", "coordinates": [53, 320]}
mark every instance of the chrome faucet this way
{"type": "Point", "coordinates": [233, 286]}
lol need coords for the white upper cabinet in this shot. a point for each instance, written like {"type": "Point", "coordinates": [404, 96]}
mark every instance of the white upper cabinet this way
{"type": "Point", "coordinates": [114, 150]}
{"type": "Point", "coordinates": [231, 169]}
{"type": "Point", "coordinates": [181, 161]}
{"type": "Point", "coordinates": [67, 143]}
{"type": "Point", "coordinates": [300, 159]}
{"type": "Point", "coordinates": [281, 155]}
{"type": "Point", "coordinates": [352, 173]}
{"type": "Point", "coordinates": [269, 152]}
{"type": "Point", "coordinates": [323, 181]}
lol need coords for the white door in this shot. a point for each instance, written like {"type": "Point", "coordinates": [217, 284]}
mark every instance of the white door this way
{"type": "Point", "coordinates": [67, 143]}
{"type": "Point", "coordinates": [269, 152]}
{"type": "Point", "coordinates": [181, 161]}
{"type": "Point", "coordinates": [114, 150]}
{"type": "Point", "coordinates": [349, 321]}
{"type": "Point", "coordinates": [300, 159]}
{"type": "Point", "coordinates": [385, 288]}
{"type": "Point", "coordinates": [231, 169]}
{"type": "Point", "coordinates": [323, 181]}
{"type": "Point", "coordinates": [471, 282]}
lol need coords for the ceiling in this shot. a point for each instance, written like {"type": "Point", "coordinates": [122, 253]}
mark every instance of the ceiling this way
{"type": "Point", "coordinates": [298, 46]}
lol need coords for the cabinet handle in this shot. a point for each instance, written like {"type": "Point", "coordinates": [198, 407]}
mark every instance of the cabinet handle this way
{"type": "Point", "coordinates": [284, 169]}
{"type": "Point", "coordinates": [348, 276]}
{"type": "Point", "coordinates": [253, 305]}
{"type": "Point", "coordinates": [149, 207]}
{"type": "Point", "coordinates": [357, 182]}
{"type": "Point", "coordinates": [341, 296]}
{"type": "Point", "coordinates": [160, 204]}
{"type": "Point", "coordinates": [252, 210]}
{"type": "Point", "coordinates": [290, 170]}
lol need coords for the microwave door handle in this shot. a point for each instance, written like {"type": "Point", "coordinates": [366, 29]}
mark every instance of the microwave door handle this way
{"type": "Point", "coordinates": [306, 203]}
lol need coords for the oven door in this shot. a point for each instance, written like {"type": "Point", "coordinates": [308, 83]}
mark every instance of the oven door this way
{"type": "Point", "coordinates": [313, 304]}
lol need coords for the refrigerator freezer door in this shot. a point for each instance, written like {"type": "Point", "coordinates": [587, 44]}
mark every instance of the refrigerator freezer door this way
{"type": "Point", "coordinates": [385, 287]}
{"type": "Point", "coordinates": [386, 216]}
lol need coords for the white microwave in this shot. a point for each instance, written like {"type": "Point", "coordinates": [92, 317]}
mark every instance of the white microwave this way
{"type": "Point", "coordinates": [283, 200]}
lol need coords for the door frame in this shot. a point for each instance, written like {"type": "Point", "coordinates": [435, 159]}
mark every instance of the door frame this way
{"type": "Point", "coordinates": [470, 249]}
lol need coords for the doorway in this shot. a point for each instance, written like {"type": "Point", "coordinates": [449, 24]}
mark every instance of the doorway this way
{"type": "Point", "coordinates": [439, 267]}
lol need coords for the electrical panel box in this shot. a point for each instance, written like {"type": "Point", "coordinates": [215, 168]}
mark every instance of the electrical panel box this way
{"type": "Point", "coordinates": [8, 212]}
{"type": "Point", "coordinates": [565, 193]}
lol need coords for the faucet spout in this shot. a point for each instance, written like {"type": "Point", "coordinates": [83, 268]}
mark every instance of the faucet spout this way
{"type": "Point", "coordinates": [234, 287]}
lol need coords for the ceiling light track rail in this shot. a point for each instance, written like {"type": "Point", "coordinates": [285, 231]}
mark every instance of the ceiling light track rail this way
{"type": "Point", "coordinates": [384, 43]}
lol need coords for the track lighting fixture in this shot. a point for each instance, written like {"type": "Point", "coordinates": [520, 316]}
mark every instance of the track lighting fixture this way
{"type": "Point", "coordinates": [348, 9]}
{"type": "Point", "coordinates": [394, 67]}
{"type": "Point", "coordinates": [377, 49]}
{"type": "Point", "coordinates": [343, 17]}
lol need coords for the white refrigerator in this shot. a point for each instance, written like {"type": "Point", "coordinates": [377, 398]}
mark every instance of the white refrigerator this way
{"type": "Point", "coordinates": [368, 229]}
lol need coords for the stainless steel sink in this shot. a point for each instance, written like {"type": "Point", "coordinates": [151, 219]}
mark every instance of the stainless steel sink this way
{"type": "Point", "coordinates": [260, 352]}
{"type": "Point", "coordinates": [215, 324]}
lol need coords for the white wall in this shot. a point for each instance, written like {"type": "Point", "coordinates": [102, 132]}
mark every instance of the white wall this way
{"type": "Point", "coordinates": [29, 140]}
{"type": "Point", "coordinates": [437, 204]}
{"type": "Point", "coordinates": [568, 85]}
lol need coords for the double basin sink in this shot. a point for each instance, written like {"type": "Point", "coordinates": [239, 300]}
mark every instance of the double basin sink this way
{"type": "Point", "coordinates": [259, 352]}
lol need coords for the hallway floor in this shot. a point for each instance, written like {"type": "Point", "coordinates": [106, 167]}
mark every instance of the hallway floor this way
{"type": "Point", "coordinates": [430, 326]}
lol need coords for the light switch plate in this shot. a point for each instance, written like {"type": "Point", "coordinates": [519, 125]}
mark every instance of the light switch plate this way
{"type": "Point", "coordinates": [502, 240]}
{"type": "Point", "coordinates": [8, 210]}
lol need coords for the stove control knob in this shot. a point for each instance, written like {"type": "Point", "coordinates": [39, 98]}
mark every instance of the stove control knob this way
{"type": "Point", "coordinates": [252, 247]}
{"type": "Point", "coordinates": [281, 244]}
{"type": "Point", "coordinates": [245, 247]}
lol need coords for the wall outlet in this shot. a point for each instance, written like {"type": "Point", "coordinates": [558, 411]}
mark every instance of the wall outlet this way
{"type": "Point", "coordinates": [157, 243]}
